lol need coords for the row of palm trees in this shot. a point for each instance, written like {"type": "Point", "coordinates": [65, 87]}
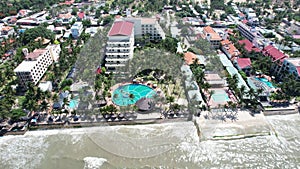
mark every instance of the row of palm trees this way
{"type": "Point", "coordinates": [247, 99]}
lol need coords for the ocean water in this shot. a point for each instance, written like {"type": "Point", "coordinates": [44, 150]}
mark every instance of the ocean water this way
{"type": "Point", "coordinates": [168, 145]}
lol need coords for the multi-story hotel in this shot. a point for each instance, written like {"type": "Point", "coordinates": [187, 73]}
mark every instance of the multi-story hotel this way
{"type": "Point", "coordinates": [247, 32]}
{"type": "Point", "coordinates": [147, 27]}
{"type": "Point", "coordinates": [36, 64]}
{"type": "Point", "coordinates": [120, 43]}
{"type": "Point", "coordinates": [291, 66]}
{"type": "Point", "coordinates": [212, 36]}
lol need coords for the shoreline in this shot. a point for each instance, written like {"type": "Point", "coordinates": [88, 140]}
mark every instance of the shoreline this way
{"type": "Point", "coordinates": [243, 126]}
{"type": "Point", "coordinates": [47, 126]}
{"type": "Point", "coordinates": [202, 125]}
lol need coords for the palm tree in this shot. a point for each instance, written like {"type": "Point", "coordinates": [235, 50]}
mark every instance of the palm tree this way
{"type": "Point", "coordinates": [44, 106]}
{"type": "Point", "coordinates": [211, 92]}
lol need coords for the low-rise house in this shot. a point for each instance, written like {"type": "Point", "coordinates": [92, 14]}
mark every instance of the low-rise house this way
{"type": "Point", "coordinates": [80, 16]}
{"type": "Point", "coordinates": [213, 37]}
{"type": "Point", "coordinates": [6, 31]}
{"type": "Point", "coordinates": [243, 64]}
{"type": "Point", "coordinates": [214, 80]}
{"type": "Point", "coordinates": [241, 16]}
{"type": "Point", "coordinates": [229, 49]}
{"type": "Point", "coordinates": [248, 46]}
{"type": "Point", "coordinates": [45, 86]}
{"type": "Point", "coordinates": [65, 18]}
{"type": "Point", "coordinates": [76, 29]}
{"type": "Point", "coordinates": [190, 58]}
{"type": "Point", "coordinates": [12, 20]}
{"type": "Point", "coordinates": [23, 12]}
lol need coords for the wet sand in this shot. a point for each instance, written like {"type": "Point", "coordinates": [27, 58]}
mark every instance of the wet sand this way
{"type": "Point", "coordinates": [244, 126]}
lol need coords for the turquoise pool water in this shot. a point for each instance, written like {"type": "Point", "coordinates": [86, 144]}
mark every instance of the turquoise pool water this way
{"type": "Point", "coordinates": [73, 103]}
{"type": "Point", "coordinates": [220, 96]}
{"type": "Point", "coordinates": [121, 96]}
{"type": "Point", "coordinates": [265, 81]}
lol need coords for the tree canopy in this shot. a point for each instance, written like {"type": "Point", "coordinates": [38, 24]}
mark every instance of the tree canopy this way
{"type": "Point", "coordinates": [40, 31]}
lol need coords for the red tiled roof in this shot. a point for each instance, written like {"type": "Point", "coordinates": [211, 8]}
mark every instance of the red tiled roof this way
{"type": "Point", "coordinates": [209, 29]}
{"type": "Point", "coordinates": [268, 47]}
{"type": "Point", "coordinates": [230, 48]}
{"type": "Point", "coordinates": [274, 53]}
{"type": "Point", "coordinates": [81, 15]}
{"type": "Point", "coordinates": [298, 69]}
{"type": "Point", "coordinates": [35, 54]}
{"type": "Point", "coordinates": [243, 62]}
{"type": "Point", "coordinates": [65, 16]}
{"type": "Point", "coordinates": [249, 45]}
{"type": "Point", "coordinates": [22, 11]}
{"type": "Point", "coordinates": [121, 28]}
{"type": "Point", "coordinates": [189, 58]}
{"type": "Point", "coordinates": [296, 36]}
{"type": "Point", "coordinates": [245, 21]}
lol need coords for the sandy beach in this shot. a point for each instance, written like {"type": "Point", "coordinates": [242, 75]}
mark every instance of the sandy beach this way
{"type": "Point", "coordinates": [244, 125]}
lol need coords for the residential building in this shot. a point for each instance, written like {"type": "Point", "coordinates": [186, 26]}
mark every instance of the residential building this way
{"type": "Point", "coordinates": [23, 12]}
{"type": "Point", "coordinates": [243, 64]}
{"type": "Point", "coordinates": [6, 31]}
{"type": "Point", "coordinates": [120, 43]}
{"type": "Point", "coordinates": [76, 29]}
{"type": "Point", "coordinates": [80, 16]}
{"type": "Point", "coordinates": [54, 51]}
{"type": "Point", "coordinates": [214, 80]}
{"type": "Point", "coordinates": [65, 18]}
{"type": "Point", "coordinates": [276, 56]}
{"type": "Point", "coordinates": [241, 16]}
{"type": "Point", "coordinates": [190, 58]}
{"type": "Point", "coordinates": [147, 27]}
{"type": "Point", "coordinates": [291, 66]}
{"type": "Point", "coordinates": [249, 33]}
{"type": "Point", "coordinates": [294, 28]}
{"type": "Point", "coordinates": [213, 37]}
{"type": "Point", "coordinates": [46, 86]}
{"type": "Point", "coordinates": [28, 22]}
{"type": "Point", "coordinates": [229, 49]}
{"type": "Point", "coordinates": [274, 53]}
{"type": "Point", "coordinates": [34, 66]}
{"type": "Point", "coordinates": [248, 46]}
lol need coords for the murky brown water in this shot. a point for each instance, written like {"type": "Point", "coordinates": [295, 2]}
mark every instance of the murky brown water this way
{"type": "Point", "coordinates": [174, 145]}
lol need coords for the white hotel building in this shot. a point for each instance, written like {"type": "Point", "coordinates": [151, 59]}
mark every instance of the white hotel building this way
{"type": "Point", "coordinates": [147, 27]}
{"type": "Point", "coordinates": [36, 64]}
{"type": "Point", "coordinates": [120, 44]}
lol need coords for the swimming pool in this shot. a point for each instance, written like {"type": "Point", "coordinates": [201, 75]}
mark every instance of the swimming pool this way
{"type": "Point", "coordinates": [73, 103]}
{"type": "Point", "coordinates": [265, 81]}
{"type": "Point", "coordinates": [220, 96]}
{"type": "Point", "coordinates": [129, 94]}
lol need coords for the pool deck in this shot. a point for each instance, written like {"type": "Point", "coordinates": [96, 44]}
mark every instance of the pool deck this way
{"type": "Point", "coordinates": [109, 100]}
{"type": "Point", "coordinates": [214, 104]}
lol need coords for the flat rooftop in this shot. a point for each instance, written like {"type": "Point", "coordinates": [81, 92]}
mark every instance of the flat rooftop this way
{"type": "Point", "coordinates": [25, 66]}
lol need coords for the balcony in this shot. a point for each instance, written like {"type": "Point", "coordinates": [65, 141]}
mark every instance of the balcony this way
{"type": "Point", "coordinates": [114, 64]}
{"type": "Point", "coordinates": [116, 60]}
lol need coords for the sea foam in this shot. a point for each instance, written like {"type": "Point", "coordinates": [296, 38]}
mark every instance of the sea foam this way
{"type": "Point", "coordinates": [93, 162]}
